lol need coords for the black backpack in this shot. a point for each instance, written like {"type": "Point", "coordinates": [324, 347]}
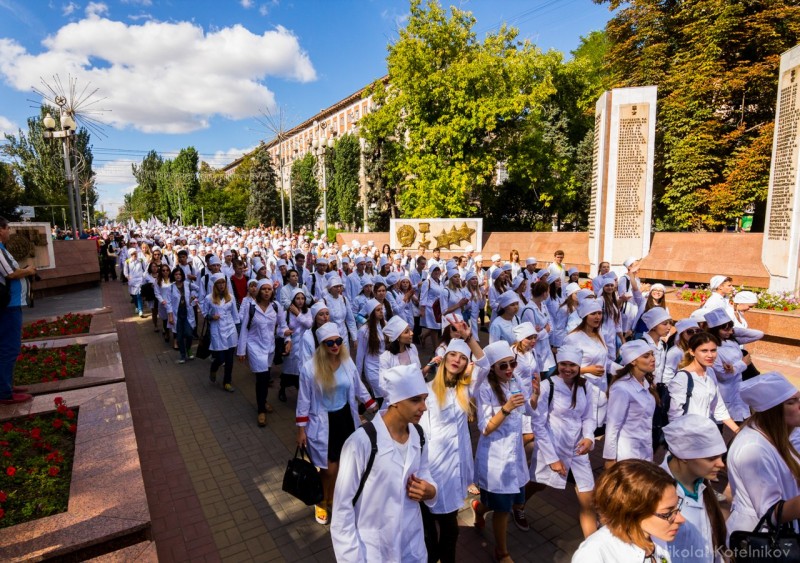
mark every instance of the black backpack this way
{"type": "Point", "coordinates": [369, 428]}
{"type": "Point", "coordinates": [661, 414]}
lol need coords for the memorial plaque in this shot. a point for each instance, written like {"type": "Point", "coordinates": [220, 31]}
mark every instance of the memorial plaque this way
{"type": "Point", "coordinates": [427, 234]}
{"type": "Point", "coordinates": [782, 231]}
{"type": "Point", "coordinates": [32, 243]}
{"type": "Point", "coordinates": [622, 176]}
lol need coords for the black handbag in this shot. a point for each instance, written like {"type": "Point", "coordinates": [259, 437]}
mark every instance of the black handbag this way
{"type": "Point", "coordinates": [302, 479]}
{"type": "Point", "coordinates": [780, 543]}
{"type": "Point", "coordinates": [204, 346]}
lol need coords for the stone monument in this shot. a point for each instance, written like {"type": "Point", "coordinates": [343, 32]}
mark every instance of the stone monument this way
{"type": "Point", "coordinates": [782, 225]}
{"type": "Point", "coordinates": [427, 234]}
{"type": "Point", "coordinates": [622, 176]}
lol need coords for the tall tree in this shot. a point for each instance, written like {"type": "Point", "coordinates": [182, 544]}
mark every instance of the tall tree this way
{"type": "Point", "coordinates": [185, 185]}
{"type": "Point", "coordinates": [305, 190]}
{"type": "Point", "coordinates": [454, 101]}
{"type": "Point", "coordinates": [265, 204]}
{"type": "Point", "coordinates": [715, 63]}
{"type": "Point", "coordinates": [10, 192]}
{"type": "Point", "coordinates": [147, 176]}
{"type": "Point", "coordinates": [347, 163]}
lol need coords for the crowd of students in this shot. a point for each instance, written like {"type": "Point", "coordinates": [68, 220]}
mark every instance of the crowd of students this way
{"type": "Point", "coordinates": [567, 369]}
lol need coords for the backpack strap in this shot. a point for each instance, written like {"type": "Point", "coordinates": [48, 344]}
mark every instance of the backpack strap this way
{"type": "Point", "coordinates": [369, 428]}
{"type": "Point", "coordinates": [252, 314]}
{"type": "Point", "coordinates": [277, 316]}
{"type": "Point", "coordinates": [689, 389]}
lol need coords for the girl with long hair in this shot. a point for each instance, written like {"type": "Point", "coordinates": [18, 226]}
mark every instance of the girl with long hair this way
{"type": "Point", "coordinates": [639, 506]}
{"type": "Point", "coordinates": [452, 298]}
{"type": "Point", "coordinates": [380, 294]}
{"type": "Point", "coordinates": [319, 316]}
{"type": "Point", "coordinates": [298, 319]}
{"type": "Point", "coordinates": [181, 301]}
{"type": "Point", "coordinates": [560, 314]}
{"type": "Point", "coordinates": [705, 398]}
{"type": "Point", "coordinates": [684, 330]}
{"type": "Point", "coordinates": [149, 292]}
{"type": "Point", "coordinates": [498, 284]}
{"type": "Point", "coordinates": [502, 326]}
{"type": "Point", "coordinates": [564, 428]}
{"type": "Point", "coordinates": [632, 400]}
{"type": "Point", "coordinates": [656, 297]}
{"type": "Point", "coordinates": [695, 458]}
{"type": "Point", "coordinates": [405, 296]}
{"type": "Point", "coordinates": [730, 363]}
{"type": "Point", "coordinates": [448, 441]}
{"type": "Point", "coordinates": [611, 327]}
{"type": "Point", "coordinates": [763, 465]}
{"type": "Point", "coordinates": [400, 349]}
{"type": "Point", "coordinates": [261, 323]}
{"type": "Point", "coordinates": [537, 313]}
{"type": "Point", "coordinates": [594, 362]}
{"type": "Point", "coordinates": [477, 300]}
{"type": "Point", "coordinates": [513, 259]}
{"type": "Point", "coordinates": [327, 408]}
{"type": "Point", "coordinates": [371, 344]}
{"type": "Point", "coordinates": [161, 291]}
{"type": "Point", "coordinates": [219, 309]}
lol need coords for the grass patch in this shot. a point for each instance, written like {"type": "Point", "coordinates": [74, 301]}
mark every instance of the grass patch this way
{"type": "Point", "coordinates": [43, 365]}
{"type": "Point", "coordinates": [36, 464]}
{"type": "Point", "coordinates": [66, 325]}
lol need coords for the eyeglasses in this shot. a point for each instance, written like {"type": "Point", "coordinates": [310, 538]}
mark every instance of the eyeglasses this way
{"type": "Point", "coordinates": [333, 342]}
{"type": "Point", "coordinates": [505, 365]}
{"type": "Point", "coordinates": [672, 514]}
{"type": "Point", "coordinates": [693, 331]}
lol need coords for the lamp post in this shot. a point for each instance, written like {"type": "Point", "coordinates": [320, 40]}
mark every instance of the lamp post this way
{"type": "Point", "coordinates": [66, 132]}
{"type": "Point", "coordinates": [319, 144]}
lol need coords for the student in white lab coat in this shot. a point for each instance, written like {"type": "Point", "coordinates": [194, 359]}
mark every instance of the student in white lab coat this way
{"type": "Point", "coordinates": [134, 269]}
{"type": "Point", "coordinates": [657, 326]}
{"type": "Point", "coordinates": [560, 314]}
{"type": "Point", "coordinates": [537, 313]}
{"type": "Point", "coordinates": [340, 311]}
{"type": "Point", "coordinates": [611, 328]}
{"type": "Point", "coordinates": [730, 363]}
{"type": "Point", "coordinates": [501, 469]}
{"type": "Point", "coordinates": [502, 326]}
{"type": "Point", "coordinates": [705, 399]}
{"type": "Point", "coordinates": [695, 457]}
{"type": "Point", "coordinates": [684, 330]}
{"type": "Point", "coordinates": [298, 319]}
{"type": "Point", "coordinates": [763, 465]}
{"type": "Point", "coordinates": [400, 350]}
{"type": "Point", "coordinates": [319, 316]}
{"type": "Point", "coordinates": [447, 434]}
{"type": "Point", "coordinates": [219, 309]}
{"type": "Point", "coordinates": [721, 289]}
{"type": "Point", "coordinates": [327, 408]}
{"type": "Point", "coordinates": [257, 341]}
{"type": "Point", "coordinates": [384, 522]}
{"type": "Point", "coordinates": [632, 399]}
{"type": "Point", "coordinates": [564, 426]}
{"type": "Point", "coordinates": [429, 295]}
{"type": "Point", "coordinates": [181, 299]}
{"type": "Point", "coordinates": [639, 505]}
{"type": "Point", "coordinates": [371, 345]}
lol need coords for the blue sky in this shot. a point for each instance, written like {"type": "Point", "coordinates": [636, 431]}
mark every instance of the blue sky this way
{"type": "Point", "coordinates": [175, 73]}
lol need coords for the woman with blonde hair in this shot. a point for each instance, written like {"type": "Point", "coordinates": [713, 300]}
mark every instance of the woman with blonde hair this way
{"type": "Point", "coordinates": [450, 449]}
{"type": "Point", "coordinates": [327, 408]}
{"type": "Point", "coordinates": [219, 309]}
{"type": "Point", "coordinates": [640, 510]}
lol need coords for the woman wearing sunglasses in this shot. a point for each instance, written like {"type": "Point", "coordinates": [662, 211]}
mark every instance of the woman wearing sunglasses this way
{"type": "Point", "coordinates": [694, 459]}
{"type": "Point", "coordinates": [501, 470]}
{"type": "Point", "coordinates": [639, 506]}
{"type": "Point", "coordinates": [327, 408]}
{"type": "Point", "coordinates": [684, 330]}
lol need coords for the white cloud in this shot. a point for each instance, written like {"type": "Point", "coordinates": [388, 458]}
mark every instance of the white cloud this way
{"type": "Point", "coordinates": [246, 4]}
{"type": "Point", "coordinates": [67, 9]}
{"type": "Point", "coordinates": [116, 172]}
{"type": "Point", "coordinates": [96, 9]}
{"type": "Point", "coordinates": [222, 158]}
{"type": "Point", "coordinates": [139, 2]}
{"type": "Point", "coordinates": [263, 9]}
{"type": "Point", "coordinates": [165, 77]}
{"type": "Point", "coordinates": [7, 126]}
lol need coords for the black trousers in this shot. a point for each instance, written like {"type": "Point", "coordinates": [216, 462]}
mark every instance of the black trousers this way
{"type": "Point", "coordinates": [262, 388]}
{"type": "Point", "coordinates": [441, 542]}
{"type": "Point", "coordinates": [223, 357]}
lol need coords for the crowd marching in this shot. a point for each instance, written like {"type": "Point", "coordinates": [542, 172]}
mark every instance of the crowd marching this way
{"type": "Point", "coordinates": [382, 347]}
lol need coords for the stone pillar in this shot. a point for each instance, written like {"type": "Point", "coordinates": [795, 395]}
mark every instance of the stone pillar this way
{"type": "Point", "coordinates": [782, 226]}
{"type": "Point", "coordinates": [622, 176]}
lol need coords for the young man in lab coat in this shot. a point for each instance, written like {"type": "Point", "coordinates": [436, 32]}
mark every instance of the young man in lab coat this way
{"type": "Point", "coordinates": [385, 523]}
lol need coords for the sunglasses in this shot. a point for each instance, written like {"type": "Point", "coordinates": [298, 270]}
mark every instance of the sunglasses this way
{"type": "Point", "coordinates": [505, 365]}
{"type": "Point", "coordinates": [333, 342]}
{"type": "Point", "coordinates": [693, 331]}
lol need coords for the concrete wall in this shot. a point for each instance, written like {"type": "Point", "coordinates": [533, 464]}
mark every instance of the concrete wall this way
{"type": "Point", "coordinates": [76, 268]}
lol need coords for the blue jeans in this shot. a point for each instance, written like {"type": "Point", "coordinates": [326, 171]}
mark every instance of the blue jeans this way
{"type": "Point", "coordinates": [183, 334]}
{"type": "Point", "coordinates": [138, 299]}
{"type": "Point", "coordinates": [10, 344]}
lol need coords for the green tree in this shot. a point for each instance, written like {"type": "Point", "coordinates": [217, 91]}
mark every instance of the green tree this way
{"type": "Point", "coordinates": [221, 199]}
{"type": "Point", "coordinates": [147, 177]}
{"type": "Point", "coordinates": [185, 185]}
{"type": "Point", "coordinates": [455, 103]}
{"type": "Point", "coordinates": [264, 200]}
{"type": "Point", "coordinates": [10, 192]}
{"type": "Point", "coordinates": [715, 64]}
{"type": "Point", "coordinates": [347, 163]}
{"type": "Point", "coordinates": [305, 190]}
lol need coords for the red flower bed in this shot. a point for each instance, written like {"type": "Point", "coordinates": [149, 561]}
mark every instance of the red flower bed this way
{"type": "Point", "coordinates": [43, 365]}
{"type": "Point", "coordinates": [36, 455]}
{"type": "Point", "coordinates": [67, 325]}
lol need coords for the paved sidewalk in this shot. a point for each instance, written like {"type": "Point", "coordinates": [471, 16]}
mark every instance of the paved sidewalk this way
{"type": "Point", "coordinates": [213, 477]}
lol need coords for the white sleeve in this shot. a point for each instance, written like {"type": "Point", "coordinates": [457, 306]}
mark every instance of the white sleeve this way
{"type": "Point", "coordinates": [347, 545]}
{"type": "Point", "coordinates": [618, 404]}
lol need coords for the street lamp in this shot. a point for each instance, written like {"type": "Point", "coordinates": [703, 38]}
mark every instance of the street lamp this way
{"type": "Point", "coordinates": [66, 133]}
{"type": "Point", "coordinates": [319, 144]}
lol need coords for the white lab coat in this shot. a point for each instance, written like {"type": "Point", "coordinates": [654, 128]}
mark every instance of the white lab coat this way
{"type": "Point", "coordinates": [694, 542]}
{"type": "Point", "coordinates": [705, 401]}
{"type": "Point", "coordinates": [758, 477]}
{"type": "Point", "coordinates": [389, 360]}
{"type": "Point", "coordinates": [594, 354]}
{"type": "Point", "coordinates": [384, 525]}
{"type": "Point", "coordinates": [604, 547]}
{"type": "Point", "coordinates": [559, 428]}
{"type": "Point", "coordinates": [173, 299]}
{"type": "Point", "coordinates": [429, 294]}
{"type": "Point", "coordinates": [540, 318]}
{"type": "Point", "coordinates": [660, 352]}
{"type": "Point", "coordinates": [160, 292]}
{"type": "Point", "coordinates": [312, 415]}
{"type": "Point", "coordinates": [134, 270]}
{"type": "Point", "coordinates": [729, 383]}
{"type": "Point", "coordinates": [671, 361]}
{"type": "Point", "coordinates": [342, 315]}
{"type": "Point", "coordinates": [449, 450]}
{"type": "Point", "coordinates": [502, 329]}
{"type": "Point", "coordinates": [258, 341]}
{"type": "Point", "coordinates": [500, 462]}
{"type": "Point", "coordinates": [450, 297]}
{"type": "Point", "coordinates": [559, 316]}
{"type": "Point", "coordinates": [299, 325]}
{"type": "Point", "coordinates": [629, 421]}
{"type": "Point", "coordinates": [369, 364]}
{"type": "Point", "coordinates": [222, 330]}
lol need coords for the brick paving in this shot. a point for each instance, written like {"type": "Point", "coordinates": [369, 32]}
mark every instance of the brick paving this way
{"type": "Point", "coordinates": [213, 477]}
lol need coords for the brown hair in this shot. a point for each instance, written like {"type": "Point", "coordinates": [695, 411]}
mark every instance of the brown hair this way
{"type": "Point", "coordinates": [695, 342]}
{"type": "Point", "coordinates": [540, 288]}
{"type": "Point", "coordinates": [648, 376]}
{"type": "Point", "coordinates": [627, 494]}
{"type": "Point", "coordinates": [772, 424]}
{"type": "Point", "coordinates": [374, 341]}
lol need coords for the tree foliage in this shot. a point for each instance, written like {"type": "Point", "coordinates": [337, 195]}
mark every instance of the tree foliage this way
{"type": "Point", "coordinates": [305, 191]}
{"type": "Point", "coordinates": [715, 63]}
{"type": "Point", "coordinates": [264, 205]}
{"type": "Point", "coordinates": [346, 164]}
